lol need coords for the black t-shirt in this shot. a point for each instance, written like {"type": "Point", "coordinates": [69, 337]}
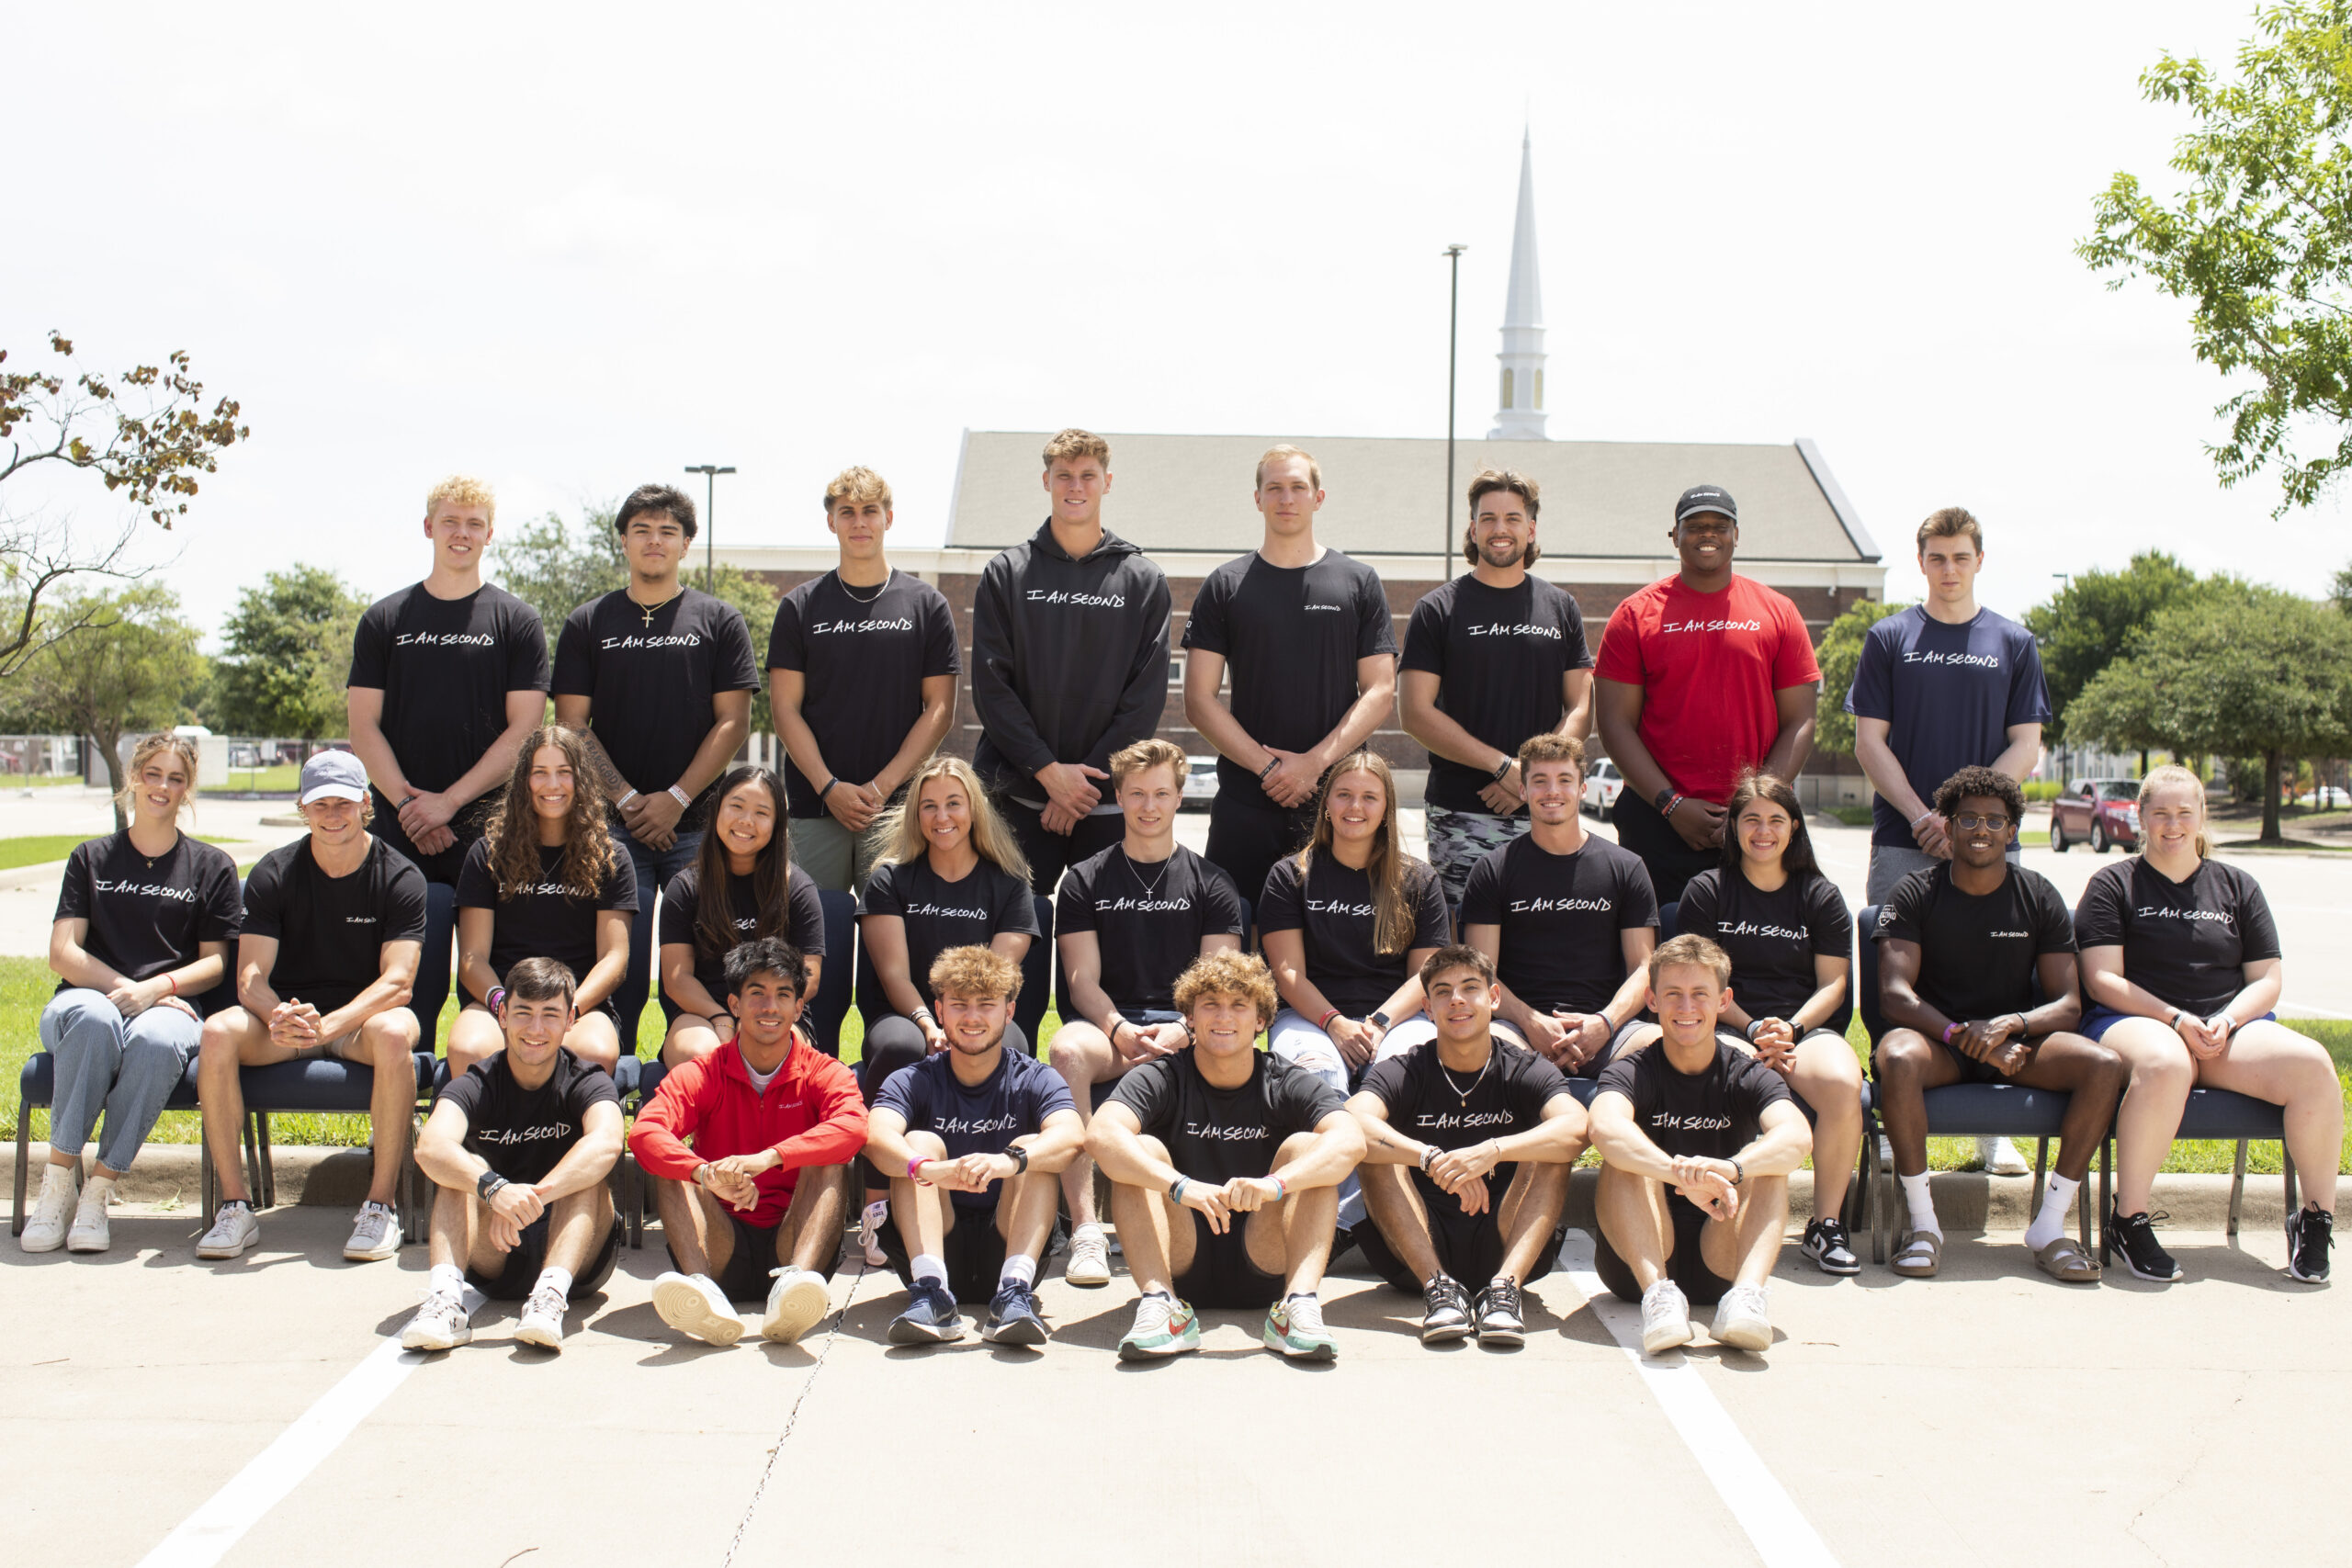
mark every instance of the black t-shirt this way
{"type": "Point", "coordinates": [1214, 1135]}
{"type": "Point", "coordinates": [1771, 938]}
{"type": "Point", "coordinates": [804, 921]}
{"type": "Point", "coordinates": [2184, 942]}
{"type": "Point", "coordinates": [977, 1119]}
{"type": "Point", "coordinates": [1499, 655]}
{"type": "Point", "coordinates": [331, 930]}
{"type": "Point", "coordinates": [1560, 917]}
{"type": "Point", "coordinates": [548, 918]}
{"type": "Point", "coordinates": [1977, 956]}
{"type": "Point", "coordinates": [1291, 637]}
{"type": "Point", "coordinates": [520, 1133]}
{"type": "Point", "coordinates": [147, 915]}
{"type": "Point", "coordinates": [865, 654]}
{"type": "Point", "coordinates": [445, 667]}
{"type": "Point", "coordinates": [1334, 912]}
{"type": "Point", "coordinates": [940, 914]}
{"type": "Point", "coordinates": [1455, 1110]}
{"type": "Point", "coordinates": [1148, 920]}
{"type": "Point", "coordinates": [650, 686]}
{"type": "Point", "coordinates": [1709, 1115]}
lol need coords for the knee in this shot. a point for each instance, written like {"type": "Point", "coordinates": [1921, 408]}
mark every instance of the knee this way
{"type": "Point", "coordinates": [1902, 1056]}
{"type": "Point", "coordinates": [1077, 1052]}
{"type": "Point", "coordinates": [389, 1035]}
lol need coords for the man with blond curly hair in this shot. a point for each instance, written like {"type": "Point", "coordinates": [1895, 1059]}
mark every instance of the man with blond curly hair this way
{"type": "Point", "coordinates": [862, 667]}
{"type": "Point", "coordinates": [448, 676]}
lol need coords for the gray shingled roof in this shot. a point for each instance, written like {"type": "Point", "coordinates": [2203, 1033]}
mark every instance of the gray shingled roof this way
{"type": "Point", "coordinates": [1387, 496]}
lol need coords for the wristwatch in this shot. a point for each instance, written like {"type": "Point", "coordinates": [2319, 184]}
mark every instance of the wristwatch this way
{"type": "Point", "coordinates": [1020, 1158]}
{"type": "Point", "coordinates": [1379, 1021]}
{"type": "Point", "coordinates": [1664, 800]}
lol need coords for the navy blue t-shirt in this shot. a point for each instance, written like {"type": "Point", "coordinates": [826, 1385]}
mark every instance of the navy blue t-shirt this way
{"type": "Point", "coordinates": [1949, 694]}
{"type": "Point", "coordinates": [975, 1119]}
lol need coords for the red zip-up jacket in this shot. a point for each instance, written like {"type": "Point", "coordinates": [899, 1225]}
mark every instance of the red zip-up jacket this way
{"type": "Point", "coordinates": [811, 1114]}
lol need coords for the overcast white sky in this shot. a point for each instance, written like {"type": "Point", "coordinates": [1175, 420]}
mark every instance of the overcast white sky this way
{"type": "Point", "coordinates": [576, 248]}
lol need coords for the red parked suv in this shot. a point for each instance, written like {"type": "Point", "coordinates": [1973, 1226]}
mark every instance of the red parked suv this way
{"type": "Point", "coordinates": [2097, 812]}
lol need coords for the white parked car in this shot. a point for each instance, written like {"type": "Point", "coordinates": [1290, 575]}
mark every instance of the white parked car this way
{"type": "Point", "coordinates": [1601, 783]}
{"type": "Point", "coordinates": [1200, 783]}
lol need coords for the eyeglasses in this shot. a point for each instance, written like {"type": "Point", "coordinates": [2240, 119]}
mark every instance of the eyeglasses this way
{"type": "Point", "coordinates": [1994, 823]}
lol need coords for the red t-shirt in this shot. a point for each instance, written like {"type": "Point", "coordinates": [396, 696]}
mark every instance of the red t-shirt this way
{"type": "Point", "coordinates": [1708, 665]}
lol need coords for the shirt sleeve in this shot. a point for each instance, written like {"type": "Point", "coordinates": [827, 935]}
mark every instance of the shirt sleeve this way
{"type": "Point", "coordinates": [1074, 902]}
{"type": "Point", "coordinates": [1149, 1091]}
{"type": "Point", "coordinates": [1758, 1086]}
{"type": "Point", "coordinates": [1482, 892]}
{"type": "Point", "coordinates": [477, 888]}
{"type": "Point", "coordinates": [1872, 692]}
{"type": "Point", "coordinates": [464, 1091]}
{"type": "Point", "coordinates": [220, 917]}
{"type": "Point", "coordinates": [575, 655]}
{"type": "Point", "coordinates": [1375, 627]}
{"type": "Point", "coordinates": [265, 899]}
{"type": "Point", "coordinates": [941, 654]}
{"type": "Point", "coordinates": [2257, 932]}
{"type": "Point", "coordinates": [527, 650]}
{"type": "Point", "coordinates": [659, 1137]}
{"type": "Point", "coordinates": [1695, 911]}
{"type": "Point", "coordinates": [1576, 651]}
{"type": "Point", "coordinates": [733, 668]}
{"type": "Point", "coordinates": [1389, 1078]}
{"type": "Point", "coordinates": [1205, 623]}
{"type": "Point", "coordinates": [900, 1092]}
{"type": "Point", "coordinates": [1306, 1100]}
{"type": "Point", "coordinates": [1280, 905]}
{"type": "Point", "coordinates": [2029, 693]}
{"type": "Point", "coordinates": [588, 1089]}
{"type": "Point", "coordinates": [1425, 638]}
{"type": "Point", "coordinates": [403, 901]}
{"type": "Point", "coordinates": [619, 891]}
{"type": "Point", "coordinates": [1831, 922]}
{"type": "Point", "coordinates": [73, 892]}
{"type": "Point", "coordinates": [2099, 915]}
{"type": "Point", "coordinates": [1432, 922]}
{"type": "Point", "coordinates": [1636, 899]}
{"type": "Point", "coordinates": [1794, 664]}
{"type": "Point", "coordinates": [678, 901]}
{"type": "Point", "coordinates": [1049, 1093]}
{"type": "Point", "coordinates": [838, 1113]}
{"type": "Point", "coordinates": [1221, 906]}
{"type": "Point", "coordinates": [1620, 1077]}
{"type": "Point", "coordinates": [1016, 909]}
{"type": "Point", "coordinates": [1620, 649]}
{"type": "Point", "coordinates": [787, 639]}
{"type": "Point", "coordinates": [1537, 1087]}
{"type": "Point", "coordinates": [2055, 920]}
{"type": "Point", "coordinates": [1905, 909]}
{"type": "Point", "coordinates": [367, 651]}
{"type": "Point", "coordinates": [882, 893]}
{"type": "Point", "coordinates": [806, 925]}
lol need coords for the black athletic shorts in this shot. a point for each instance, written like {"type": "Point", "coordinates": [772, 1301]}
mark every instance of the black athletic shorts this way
{"type": "Point", "coordinates": [513, 1281]}
{"type": "Point", "coordinates": [1222, 1274]}
{"type": "Point", "coordinates": [1686, 1266]}
{"type": "Point", "coordinates": [1469, 1246]}
{"type": "Point", "coordinates": [753, 1263]}
{"type": "Point", "coordinates": [1670, 862]}
{"type": "Point", "coordinates": [973, 1251]}
{"type": "Point", "coordinates": [1973, 1071]}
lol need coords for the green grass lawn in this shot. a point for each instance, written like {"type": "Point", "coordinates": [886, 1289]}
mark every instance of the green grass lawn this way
{"type": "Point", "coordinates": [26, 984]}
{"type": "Point", "coordinates": [38, 849]}
{"type": "Point", "coordinates": [282, 777]}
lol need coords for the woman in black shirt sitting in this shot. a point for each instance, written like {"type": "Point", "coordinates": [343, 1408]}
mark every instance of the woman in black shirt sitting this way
{"type": "Point", "coordinates": [1791, 941]}
{"type": "Point", "coordinates": [746, 859]}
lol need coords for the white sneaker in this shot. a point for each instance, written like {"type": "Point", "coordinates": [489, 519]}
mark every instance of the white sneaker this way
{"type": "Point", "coordinates": [542, 1320]}
{"type": "Point", "coordinates": [1742, 1321]}
{"type": "Point", "coordinates": [797, 1302]}
{"type": "Point", "coordinates": [1090, 1256]}
{"type": "Point", "coordinates": [90, 1233]}
{"type": "Point", "coordinates": [697, 1307]}
{"type": "Point", "coordinates": [1665, 1318]}
{"type": "Point", "coordinates": [61, 1188]}
{"type": "Point", "coordinates": [870, 1222]}
{"type": "Point", "coordinates": [441, 1323]}
{"type": "Point", "coordinates": [233, 1230]}
{"type": "Point", "coordinates": [375, 1237]}
{"type": "Point", "coordinates": [1886, 1152]}
{"type": "Point", "coordinates": [2001, 1157]}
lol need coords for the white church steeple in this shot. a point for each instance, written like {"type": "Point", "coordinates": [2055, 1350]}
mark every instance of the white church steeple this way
{"type": "Point", "coordinates": [1519, 416]}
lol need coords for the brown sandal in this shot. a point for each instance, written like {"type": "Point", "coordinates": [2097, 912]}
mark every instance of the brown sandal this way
{"type": "Point", "coordinates": [2065, 1261]}
{"type": "Point", "coordinates": [1919, 1255]}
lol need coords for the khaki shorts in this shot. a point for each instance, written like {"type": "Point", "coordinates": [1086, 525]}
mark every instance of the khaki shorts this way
{"type": "Point", "coordinates": [341, 1048]}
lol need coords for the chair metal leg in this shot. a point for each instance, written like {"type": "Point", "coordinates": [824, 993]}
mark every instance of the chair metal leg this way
{"type": "Point", "coordinates": [268, 1166]}
{"type": "Point", "coordinates": [2106, 1199]}
{"type": "Point", "coordinates": [2237, 1188]}
{"type": "Point", "coordinates": [2040, 1172]}
{"type": "Point", "coordinates": [208, 1189]}
{"type": "Point", "coordinates": [254, 1183]}
{"type": "Point", "coordinates": [23, 1167]}
{"type": "Point", "coordinates": [2286, 1159]}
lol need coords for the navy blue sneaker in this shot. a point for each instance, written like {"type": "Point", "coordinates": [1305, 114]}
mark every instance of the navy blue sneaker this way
{"type": "Point", "coordinates": [1013, 1317]}
{"type": "Point", "coordinates": [930, 1319]}
{"type": "Point", "coordinates": [2308, 1232]}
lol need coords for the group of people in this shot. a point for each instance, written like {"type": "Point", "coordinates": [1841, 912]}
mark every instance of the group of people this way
{"type": "Point", "coordinates": [1523, 954]}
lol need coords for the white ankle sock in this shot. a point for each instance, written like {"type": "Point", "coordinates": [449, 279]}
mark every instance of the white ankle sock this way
{"type": "Point", "coordinates": [1020, 1267]}
{"type": "Point", "coordinates": [447, 1278]}
{"type": "Point", "coordinates": [1922, 1208]}
{"type": "Point", "coordinates": [98, 1190]}
{"type": "Point", "coordinates": [930, 1269]}
{"type": "Point", "coordinates": [559, 1277]}
{"type": "Point", "coordinates": [2049, 1223]}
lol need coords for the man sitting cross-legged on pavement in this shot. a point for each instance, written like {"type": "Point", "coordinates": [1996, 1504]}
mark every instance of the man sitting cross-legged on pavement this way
{"type": "Point", "coordinates": [1960, 946]}
{"type": "Point", "coordinates": [1699, 1138]}
{"type": "Point", "coordinates": [763, 1189]}
{"type": "Point", "coordinates": [1468, 1139]}
{"type": "Point", "coordinates": [333, 924]}
{"type": "Point", "coordinates": [518, 1148]}
{"type": "Point", "coordinates": [974, 1139]}
{"type": "Point", "coordinates": [1227, 1164]}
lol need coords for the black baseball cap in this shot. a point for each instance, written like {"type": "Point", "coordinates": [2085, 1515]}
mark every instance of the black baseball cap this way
{"type": "Point", "coordinates": [1705, 498]}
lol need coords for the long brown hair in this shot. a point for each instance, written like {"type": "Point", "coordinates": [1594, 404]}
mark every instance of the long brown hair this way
{"type": "Point", "coordinates": [1796, 855]}
{"type": "Point", "coordinates": [771, 871]}
{"type": "Point", "coordinates": [514, 827]}
{"type": "Point", "coordinates": [150, 747]}
{"type": "Point", "coordinates": [899, 829]}
{"type": "Point", "coordinates": [1396, 877]}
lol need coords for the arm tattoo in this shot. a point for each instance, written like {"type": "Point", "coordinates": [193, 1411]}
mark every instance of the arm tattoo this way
{"type": "Point", "coordinates": [616, 786]}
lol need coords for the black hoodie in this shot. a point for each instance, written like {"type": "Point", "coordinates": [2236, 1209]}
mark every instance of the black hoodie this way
{"type": "Point", "coordinates": [1069, 658]}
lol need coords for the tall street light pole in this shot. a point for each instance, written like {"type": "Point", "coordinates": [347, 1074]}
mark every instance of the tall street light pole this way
{"type": "Point", "coordinates": [709, 472]}
{"type": "Point", "coordinates": [1453, 361]}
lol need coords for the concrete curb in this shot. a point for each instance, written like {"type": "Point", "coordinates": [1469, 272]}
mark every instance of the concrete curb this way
{"type": "Point", "coordinates": [1965, 1201]}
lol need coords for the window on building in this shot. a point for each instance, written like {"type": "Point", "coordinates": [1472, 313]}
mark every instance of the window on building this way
{"type": "Point", "coordinates": [1176, 668]}
{"type": "Point", "coordinates": [1507, 389]}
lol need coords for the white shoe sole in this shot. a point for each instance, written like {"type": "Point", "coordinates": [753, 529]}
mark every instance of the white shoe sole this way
{"type": "Point", "coordinates": [84, 1241]}
{"type": "Point", "coordinates": [1087, 1273]}
{"type": "Point", "coordinates": [390, 1249]}
{"type": "Point", "coordinates": [1746, 1334]}
{"type": "Point", "coordinates": [33, 1241]}
{"type": "Point", "coordinates": [686, 1309]}
{"type": "Point", "coordinates": [1667, 1337]}
{"type": "Point", "coordinates": [414, 1338]}
{"type": "Point", "coordinates": [546, 1335]}
{"type": "Point", "coordinates": [217, 1252]}
{"type": "Point", "coordinates": [802, 1306]}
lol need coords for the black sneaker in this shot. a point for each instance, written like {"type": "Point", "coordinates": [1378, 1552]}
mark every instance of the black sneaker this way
{"type": "Point", "coordinates": [1500, 1321]}
{"type": "Point", "coordinates": [1013, 1317]}
{"type": "Point", "coordinates": [1445, 1311]}
{"type": "Point", "coordinates": [2308, 1233]}
{"type": "Point", "coordinates": [2134, 1236]}
{"type": "Point", "coordinates": [930, 1319]}
{"type": "Point", "coordinates": [1825, 1242]}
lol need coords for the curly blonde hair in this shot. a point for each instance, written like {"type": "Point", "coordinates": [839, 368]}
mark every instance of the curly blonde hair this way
{"type": "Point", "coordinates": [975, 972]}
{"type": "Point", "coordinates": [859, 484]}
{"type": "Point", "coordinates": [1229, 974]}
{"type": "Point", "coordinates": [466, 490]}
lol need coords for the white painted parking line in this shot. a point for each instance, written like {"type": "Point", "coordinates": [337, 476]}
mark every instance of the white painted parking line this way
{"type": "Point", "coordinates": [207, 1534]}
{"type": "Point", "coordinates": [1782, 1535]}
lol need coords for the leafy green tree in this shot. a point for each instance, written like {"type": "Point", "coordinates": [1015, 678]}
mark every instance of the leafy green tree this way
{"type": "Point", "coordinates": [2254, 671]}
{"type": "Point", "coordinates": [2098, 617]}
{"type": "Point", "coordinates": [1840, 654]}
{"type": "Point", "coordinates": [2339, 592]}
{"type": "Point", "coordinates": [286, 656]}
{"type": "Point", "coordinates": [2260, 242]}
{"type": "Point", "coordinates": [125, 671]}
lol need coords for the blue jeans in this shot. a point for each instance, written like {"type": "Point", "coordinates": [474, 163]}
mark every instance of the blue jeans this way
{"type": "Point", "coordinates": [126, 1067]}
{"type": "Point", "coordinates": [654, 870]}
{"type": "Point", "coordinates": [431, 988]}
